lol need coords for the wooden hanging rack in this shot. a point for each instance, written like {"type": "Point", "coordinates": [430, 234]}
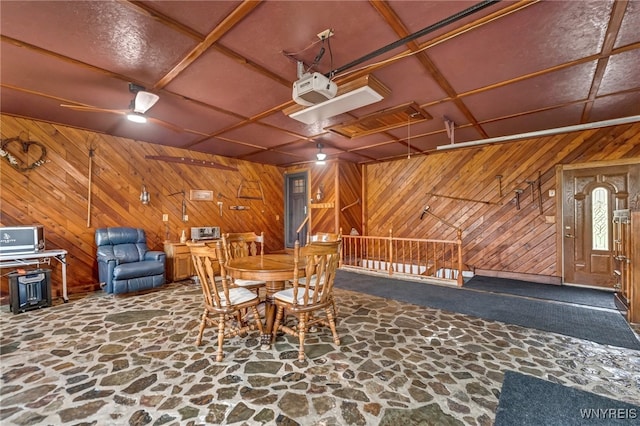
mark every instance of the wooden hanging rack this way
{"type": "Point", "coordinates": [190, 162]}
{"type": "Point", "coordinates": [461, 198]}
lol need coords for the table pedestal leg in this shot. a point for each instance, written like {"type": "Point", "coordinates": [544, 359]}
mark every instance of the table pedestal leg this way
{"type": "Point", "coordinates": [270, 312]}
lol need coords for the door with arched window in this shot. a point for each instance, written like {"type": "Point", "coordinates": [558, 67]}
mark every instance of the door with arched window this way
{"type": "Point", "coordinates": [589, 198]}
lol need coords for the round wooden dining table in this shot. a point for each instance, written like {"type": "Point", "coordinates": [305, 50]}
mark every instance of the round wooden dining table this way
{"type": "Point", "coordinates": [275, 269]}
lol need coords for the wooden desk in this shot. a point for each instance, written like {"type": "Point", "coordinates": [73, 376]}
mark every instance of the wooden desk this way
{"type": "Point", "coordinates": [12, 260]}
{"type": "Point", "coordinates": [275, 269]}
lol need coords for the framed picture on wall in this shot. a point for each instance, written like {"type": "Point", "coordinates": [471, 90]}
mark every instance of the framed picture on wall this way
{"type": "Point", "coordinates": [200, 195]}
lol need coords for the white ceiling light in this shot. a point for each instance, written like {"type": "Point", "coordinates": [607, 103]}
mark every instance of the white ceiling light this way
{"type": "Point", "coordinates": [141, 103]}
{"type": "Point", "coordinates": [320, 156]}
{"type": "Point", "coordinates": [353, 95]}
{"type": "Point", "coordinates": [136, 117]}
{"type": "Point", "coordinates": [144, 100]}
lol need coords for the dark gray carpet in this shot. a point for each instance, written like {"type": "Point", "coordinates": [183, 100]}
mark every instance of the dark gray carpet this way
{"type": "Point", "coordinates": [561, 293]}
{"type": "Point", "coordinates": [605, 327]}
{"type": "Point", "coordinates": [527, 400]}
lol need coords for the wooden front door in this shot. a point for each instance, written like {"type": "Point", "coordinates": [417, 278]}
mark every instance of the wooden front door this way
{"type": "Point", "coordinates": [590, 196]}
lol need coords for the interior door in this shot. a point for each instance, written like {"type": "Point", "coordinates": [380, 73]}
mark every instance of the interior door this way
{"type": "Point", "coordinates": [590, 197]}
{"type": "Point", "coordinates": [295, 208]}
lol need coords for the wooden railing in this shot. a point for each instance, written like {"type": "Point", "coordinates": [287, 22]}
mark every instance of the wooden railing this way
{"type": "Point", "coordinates": [438, 259]}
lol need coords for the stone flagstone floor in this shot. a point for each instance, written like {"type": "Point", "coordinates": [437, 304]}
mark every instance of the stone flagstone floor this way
{"type": "Point", "coordinates": [131, 360]}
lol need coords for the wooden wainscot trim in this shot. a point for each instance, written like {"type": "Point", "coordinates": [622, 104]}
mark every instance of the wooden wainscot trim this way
{"type": "Point", "coordinates": [543, 279]}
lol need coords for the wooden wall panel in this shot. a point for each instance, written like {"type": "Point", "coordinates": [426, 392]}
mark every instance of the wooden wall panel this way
{"type": "Point", "coordinates": [323, 219]}
{"type": "Point", "coordinates": [497, 236]}
{"type": "Point", "coordinates": [342, 185]}
{"type": "Point", "coordinates": [350, 188]}
{"type": "Point", "coordinates": [56, 194]}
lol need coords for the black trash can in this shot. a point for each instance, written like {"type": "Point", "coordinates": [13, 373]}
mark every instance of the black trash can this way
{"type": "Point", "coordinates": [29, 290]}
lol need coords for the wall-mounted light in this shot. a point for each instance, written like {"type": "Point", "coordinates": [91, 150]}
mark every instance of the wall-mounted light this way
{"type": "Point", "coordinates": [320, 193]}
{"type": "Point", "coordinates": [144, 195]}
{"type": "Point", "coordinates": [320, 156]}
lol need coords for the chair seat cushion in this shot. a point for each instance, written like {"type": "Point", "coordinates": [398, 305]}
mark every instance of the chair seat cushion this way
{"type": "Point", "coordinates": [287, 296]}
{"type": "Point", "coordinates": [248, 283]}
{"type": "Point", "coordinates": [138, 269]}
{"type": "Point", "coordinates": [237, 296]}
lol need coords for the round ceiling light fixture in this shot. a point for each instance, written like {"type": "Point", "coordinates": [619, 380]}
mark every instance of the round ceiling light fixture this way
{"type": "Point", "coordinates": [320, 156]}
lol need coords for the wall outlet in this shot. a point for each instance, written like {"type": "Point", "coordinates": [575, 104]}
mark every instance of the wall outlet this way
{"type": "Point", "coordinates": [165, 217]}
{"type": "Point", "coordinates": [185, 218]}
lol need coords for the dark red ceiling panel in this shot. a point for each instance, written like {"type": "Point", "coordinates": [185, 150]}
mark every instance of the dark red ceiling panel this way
{"type": "Point", "coordinates": [33, 106]}
{"type": "Point", "coordinates": [553, 33]}
{"type": "Point", "coordinates": [220, 147]}
{"type": "Point", "coordinates": [622, 73]}
{"type": "Point", "coordinates": [263, 135]}
{"type": "Point", "coordinates": [528, 70]}
{"type": "Point", "coordinates": [216, 79]}
{"type": "Point", "coordinates": [616, 106]}
{"type": "Point", "coordinates": [152, 132]}
{"type": "Point", "coordinates": [629, 32]}
{"type": "Point", "coordinates": [277, 158]}
{"type": "Point", "coordinates": [109, 35]}
{"type": "Point", "coordinates": [562, 117]}
{"type": "Point", "coordinates": [49, 75]}
{"type": "Point", "coordinates": [192, 115]}
{"type": "Point", "coordinates": [281, 27]}
{"type": "Point", "coordinates": [201, 16]}
{"type": "Point", "coordinates": [384, 151]}
{"type": "Point", "coordinates": [422, 90]}
{"type": "Point", "coordinates": [547, 90]}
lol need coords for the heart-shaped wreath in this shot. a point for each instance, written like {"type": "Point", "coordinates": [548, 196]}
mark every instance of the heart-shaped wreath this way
{"type": "Point", "coordinates": [25, 145]}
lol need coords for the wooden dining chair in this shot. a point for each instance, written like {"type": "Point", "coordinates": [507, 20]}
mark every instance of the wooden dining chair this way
{"type": "Point", "coordinates": [323, 237]}
{"type": "Point", "coordinates": [222, 303]}
{"type": "Point", "coordinates": [242, 244]}
{"type": "Point", "coordinates": [310, 302]}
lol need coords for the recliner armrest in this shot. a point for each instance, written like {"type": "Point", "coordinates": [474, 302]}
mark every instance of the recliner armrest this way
{"type": "Point", "coordinates": [155, 255]}
{"type": "Point", "coordinates": [104, 258]}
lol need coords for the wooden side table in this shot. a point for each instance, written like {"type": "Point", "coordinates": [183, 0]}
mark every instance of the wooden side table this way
{"type": "Point", "coordinates": [179, 264]}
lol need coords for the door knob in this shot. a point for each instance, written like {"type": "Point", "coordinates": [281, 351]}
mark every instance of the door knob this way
{"type": "Point", "coordinates": [569, 236]}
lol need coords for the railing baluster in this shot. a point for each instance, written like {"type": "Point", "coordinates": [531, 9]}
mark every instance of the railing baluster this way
{"type": "Point", "coordinates": [441, 259]}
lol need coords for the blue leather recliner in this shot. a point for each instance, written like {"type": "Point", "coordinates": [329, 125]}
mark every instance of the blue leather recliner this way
{"type": "Point", "coordinates": [125, 264]}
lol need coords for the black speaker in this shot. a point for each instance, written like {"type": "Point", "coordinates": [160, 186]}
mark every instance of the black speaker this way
{"type": "Point", "coordinates": [29, 290]}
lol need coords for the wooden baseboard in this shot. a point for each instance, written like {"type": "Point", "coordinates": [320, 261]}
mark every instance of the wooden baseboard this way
{"type": "Point", "coordinates": [543, 279]}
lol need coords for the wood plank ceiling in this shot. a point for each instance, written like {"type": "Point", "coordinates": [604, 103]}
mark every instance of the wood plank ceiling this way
{"type": "Point", "coordinates": [224, 70]}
